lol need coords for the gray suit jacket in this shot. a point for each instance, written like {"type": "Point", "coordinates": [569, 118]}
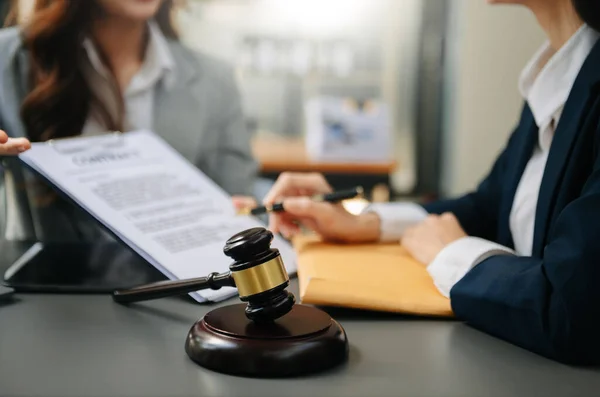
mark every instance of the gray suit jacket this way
{"type": "Point", "coordinates": [200, 116]}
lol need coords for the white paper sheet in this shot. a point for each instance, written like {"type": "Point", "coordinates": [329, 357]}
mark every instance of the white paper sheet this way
{"type": "Point", "coordinates": [152, 198]}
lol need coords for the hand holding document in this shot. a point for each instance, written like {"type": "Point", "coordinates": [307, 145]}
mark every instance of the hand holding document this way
{"type": "Point", "coordinates": [152, 199]}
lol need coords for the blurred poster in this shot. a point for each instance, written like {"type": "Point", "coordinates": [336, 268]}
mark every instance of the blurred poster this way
{"type": "Point", "coordinates": [344, 129]}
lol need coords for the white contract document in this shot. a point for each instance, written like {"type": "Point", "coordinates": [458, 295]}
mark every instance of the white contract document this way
{"type": "Point", "coordinates": [153, 199]}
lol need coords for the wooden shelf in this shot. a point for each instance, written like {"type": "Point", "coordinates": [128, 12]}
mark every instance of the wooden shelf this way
{"type": "Point", "coordinates": [277, 155]}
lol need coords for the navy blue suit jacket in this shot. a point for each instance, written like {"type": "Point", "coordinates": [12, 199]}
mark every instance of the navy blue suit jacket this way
{"type": "Point", "coordinates": [548, 303]}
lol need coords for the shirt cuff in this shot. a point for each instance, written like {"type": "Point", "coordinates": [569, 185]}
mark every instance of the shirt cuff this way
{"type": "Point", "coordinates": [395, 218]}
{"type": "Point", "coordinates": [458, 258]}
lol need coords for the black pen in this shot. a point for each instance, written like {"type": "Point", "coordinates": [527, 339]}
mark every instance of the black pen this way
{"type": "Point", "coordinates": [334, 197]}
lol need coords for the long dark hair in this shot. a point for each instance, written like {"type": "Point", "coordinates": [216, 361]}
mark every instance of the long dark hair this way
{"type": "Point", "coordinates": [589, 11]}
{"type": "Point", "coordinates": [60, 99]}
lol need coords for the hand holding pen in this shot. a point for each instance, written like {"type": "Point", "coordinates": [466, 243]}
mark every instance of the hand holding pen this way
{"type": "Point", "coordinates": [308, 200]}
{"type": "Point", "coordinates": [333, 197]}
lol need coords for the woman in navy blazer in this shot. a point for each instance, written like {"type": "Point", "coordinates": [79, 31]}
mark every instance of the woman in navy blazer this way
{"type": "Point", "coordinates": [547, 300]}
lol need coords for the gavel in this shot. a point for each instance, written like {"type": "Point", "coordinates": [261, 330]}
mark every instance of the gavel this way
{"type": "Point", "coordinates": [268, 335]}
{"type": "Point", "coordinates": [258, 273]}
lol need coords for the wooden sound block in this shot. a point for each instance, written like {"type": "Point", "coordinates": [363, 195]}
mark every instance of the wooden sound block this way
{"type": "Point", "coordinates": [306, 340]}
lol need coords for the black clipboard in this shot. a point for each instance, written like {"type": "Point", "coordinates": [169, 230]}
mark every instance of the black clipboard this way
{"type": "Point", "coordinates": [79, 267]}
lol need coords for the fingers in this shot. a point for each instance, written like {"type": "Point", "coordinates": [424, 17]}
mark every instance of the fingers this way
{"type": "Point", "coordinates": [305, 207]}
{"type": "Point", "coordinates": [289, 229]}
{"type": "Point", "coordinates": [413, 232]}
{"type": "Point", "coordinates": [3, 137]}
{"type": "Point", "coordinates": [431, 219]}
{"type": "Point", "coordinates": [450, 220]}
{"type": "Point", "coordinates": [14, 146]}
{"type": "Point", "coordinates": [448, 216]}
{"type": "Point", "coordinates": [282, 223]}
{"type": "Point", "coordinates": [408, 233]}
{"type": "Point", "coordinates": [301, 210]}
{"type": "Point", "coordinates": [242, 202]}
{"type": "Point", "coordinates": [431, 223]}
{"type": "Point", "coordinates": [293, 184]}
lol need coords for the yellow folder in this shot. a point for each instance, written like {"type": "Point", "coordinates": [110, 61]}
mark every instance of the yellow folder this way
{"type": "Point", "coordinates": [379, 277]}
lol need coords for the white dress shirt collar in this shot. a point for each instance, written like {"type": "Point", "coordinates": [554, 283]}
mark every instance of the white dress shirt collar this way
{"type": "Point", "coordinates": [546, 87]}
{"type": "Point", "coordinates": [158, 62]}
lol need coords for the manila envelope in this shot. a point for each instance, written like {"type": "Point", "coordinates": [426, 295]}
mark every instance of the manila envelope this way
{"type": "Point", "coordinates": [379, 277]}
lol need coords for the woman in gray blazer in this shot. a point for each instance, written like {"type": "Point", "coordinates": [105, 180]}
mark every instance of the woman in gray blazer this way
{"type": "Point", "coordinates": [87, 67]}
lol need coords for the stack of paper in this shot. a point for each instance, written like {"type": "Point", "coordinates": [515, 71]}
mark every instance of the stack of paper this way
{"type": "Point", "coordinates": [152, 199]}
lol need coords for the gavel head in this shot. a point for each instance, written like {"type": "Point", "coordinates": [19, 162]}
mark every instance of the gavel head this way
{"type": "Point", "coordinates": [259, 275]}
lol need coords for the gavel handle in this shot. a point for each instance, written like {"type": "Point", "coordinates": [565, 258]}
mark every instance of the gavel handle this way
{"type": "Point", "coordinates": [164, 289]}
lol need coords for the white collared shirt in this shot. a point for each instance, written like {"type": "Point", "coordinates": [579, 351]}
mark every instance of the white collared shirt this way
{"type": "Point", "coordinates": [139, 95]}
{"type": "Point", "coordinates": [546, 88]}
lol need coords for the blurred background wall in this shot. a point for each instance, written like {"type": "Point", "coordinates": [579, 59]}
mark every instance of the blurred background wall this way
{"type": "Point", "coordinates": [489, 47]}
{"type": "Point", "coordinates": [448, 69]}
{"type": "Point", "coordinates": [287, 52]}
{"type": "Point", "coordinates": [463, 55]}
